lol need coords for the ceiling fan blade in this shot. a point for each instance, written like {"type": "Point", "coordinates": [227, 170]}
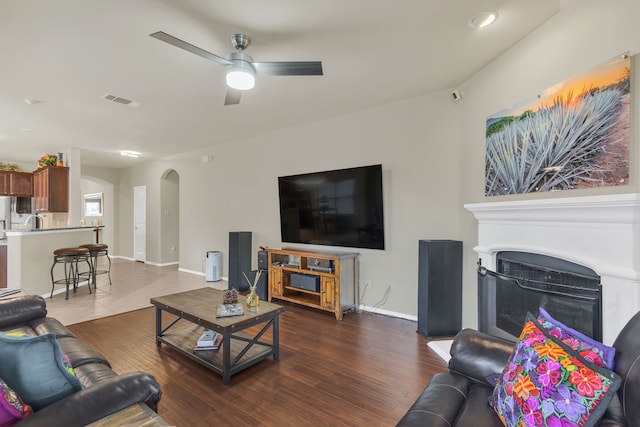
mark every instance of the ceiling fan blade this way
{"type": "Point", "coordinates": [301, 68]}
{"type": "Point", "coordinates": [160, 35]}
{"type": "Point", "coordinates": [232, 97]}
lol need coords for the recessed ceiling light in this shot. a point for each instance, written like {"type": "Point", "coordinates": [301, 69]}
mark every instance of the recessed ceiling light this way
{"type": "Point", "coordinates": [129, 154]}
{"type": "Point", "coordinates": [483, 19]}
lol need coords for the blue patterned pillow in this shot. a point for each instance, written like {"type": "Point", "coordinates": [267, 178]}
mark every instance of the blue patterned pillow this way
{"type": "Point", "coordinates": [36, 369]}
{"type": "Point", "coordinates": [545, 383]}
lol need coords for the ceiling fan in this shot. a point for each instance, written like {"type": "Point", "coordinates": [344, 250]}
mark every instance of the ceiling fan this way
{"type": "Point", "coordinates": [241, 69]}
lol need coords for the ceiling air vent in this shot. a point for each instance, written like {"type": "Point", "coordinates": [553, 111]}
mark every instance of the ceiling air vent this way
{"type": "Point", "coordinates": [121, 100]}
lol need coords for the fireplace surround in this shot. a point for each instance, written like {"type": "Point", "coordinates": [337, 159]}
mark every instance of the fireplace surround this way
{"type": "Point", "coordinates": [601, 233]}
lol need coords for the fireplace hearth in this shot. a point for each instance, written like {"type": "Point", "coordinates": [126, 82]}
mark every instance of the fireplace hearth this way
{"type": "Point", "coordinates": [599, 233]}
{"type": "Point", "coordinates": [526, 281]}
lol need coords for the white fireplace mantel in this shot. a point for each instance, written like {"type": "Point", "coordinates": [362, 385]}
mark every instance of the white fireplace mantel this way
{"type": "Point", "coordinates": [599, 232]}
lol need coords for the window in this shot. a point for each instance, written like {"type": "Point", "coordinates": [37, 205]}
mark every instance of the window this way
{"type": "Point", "coordinates": [93, 204]}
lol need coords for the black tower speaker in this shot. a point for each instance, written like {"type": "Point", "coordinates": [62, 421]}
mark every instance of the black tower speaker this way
{"type": "Point", "coordinates": [439, 288]}
{"type": "Point", "coordinates": [239, 259]}
{"type": "Point", "coordinates": [263, 258]}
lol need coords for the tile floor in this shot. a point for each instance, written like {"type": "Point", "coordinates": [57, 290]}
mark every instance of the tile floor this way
{"type": "Point", "coordinates": [133, 285]}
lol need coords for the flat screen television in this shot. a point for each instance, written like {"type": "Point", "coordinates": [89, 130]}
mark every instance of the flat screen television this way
{"type": "Point", "coordinates": [336, 208]}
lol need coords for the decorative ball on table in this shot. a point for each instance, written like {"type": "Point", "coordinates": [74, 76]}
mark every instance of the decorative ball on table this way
{"type": "Point", "coordinates": [230, 296]}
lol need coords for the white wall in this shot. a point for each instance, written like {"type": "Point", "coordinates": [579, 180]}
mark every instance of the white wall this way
{"type": "Point", "coordinates": [574, 41]}
{"type": "Point", "coordinates": [432, 152]}
{"type": "Point", "coordinates": [415, 140]}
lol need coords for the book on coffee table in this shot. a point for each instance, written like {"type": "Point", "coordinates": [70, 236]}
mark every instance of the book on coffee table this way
{"type": "Point", "coordinates": [207, 338]}
{"type": "Point", "coordinates": [214, 346]}
{"type": "Point", "coordinates": [226, 310]}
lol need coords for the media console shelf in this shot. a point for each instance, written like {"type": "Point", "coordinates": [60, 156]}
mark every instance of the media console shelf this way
{"type": "Point", "coordinates": [322, 280]}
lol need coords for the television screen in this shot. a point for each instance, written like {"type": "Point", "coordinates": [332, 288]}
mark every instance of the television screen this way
{"type": "Point", "coordinates": [337, 208]}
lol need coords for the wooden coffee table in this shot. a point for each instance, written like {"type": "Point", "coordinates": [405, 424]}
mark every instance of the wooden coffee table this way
{"type": "Point", "coordinates": [194, 311]}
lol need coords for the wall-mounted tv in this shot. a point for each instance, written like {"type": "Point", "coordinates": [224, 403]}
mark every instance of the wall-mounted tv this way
{"type": "Point", "coordinates": [336, 208]}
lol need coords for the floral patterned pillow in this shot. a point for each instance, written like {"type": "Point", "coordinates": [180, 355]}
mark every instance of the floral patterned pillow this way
{"type": "Point", "coordinates": [545, 383]}
{"type": "Point", "coordinates": [592, 350]}
{"type": "Point", "coordinates": [12, 408]}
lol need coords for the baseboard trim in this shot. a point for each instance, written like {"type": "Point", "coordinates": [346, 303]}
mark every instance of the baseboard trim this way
{"type": "Point", "coordinates": [199, 273]}
{"type": "Point", "coordinates": [155, 264]}
{"type": "Point", "coordinates": [122, 257]}
{"type": "Point", "coordinates": [184, 270]}
{"type": "Point", "coordinates": [164, 264]}
{"type": "Point", "coordinates": [389, 313]}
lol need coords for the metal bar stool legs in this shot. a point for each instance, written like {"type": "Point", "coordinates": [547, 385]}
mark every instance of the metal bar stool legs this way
{"type": "Point", "coordinates": [69, 257]}
{"type": "Point", "coordinates": [96, 250]}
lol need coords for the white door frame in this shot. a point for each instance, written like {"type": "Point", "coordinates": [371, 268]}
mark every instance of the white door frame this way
{"type": "Point", "coordinates": [140, 223]}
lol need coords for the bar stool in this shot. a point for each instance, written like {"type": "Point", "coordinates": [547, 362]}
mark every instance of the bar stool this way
{"type": "Point", "coordinates": [69, 257]}
{"type": "Point", "coordinates": [96, 250]}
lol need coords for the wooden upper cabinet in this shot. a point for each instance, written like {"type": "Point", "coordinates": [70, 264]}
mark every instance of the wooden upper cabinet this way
{"type": "Point", "coordinates": [51, 189]}
{"type": "Point", "coordinates": [16, 184]}
{"type": "Point", "coordinates": [4, 184]}
{"type": "Point", "coordinates": [21, 184]}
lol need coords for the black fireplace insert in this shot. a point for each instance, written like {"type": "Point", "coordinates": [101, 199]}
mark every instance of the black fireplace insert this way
{"type": "Point", "coordinates": [525, 281]}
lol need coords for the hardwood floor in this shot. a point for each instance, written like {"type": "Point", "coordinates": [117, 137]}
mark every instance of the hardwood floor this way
{"type": "Point", "coordinates": [366, 370]}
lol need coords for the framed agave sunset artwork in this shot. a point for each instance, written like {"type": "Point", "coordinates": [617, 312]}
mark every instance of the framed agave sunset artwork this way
{"type": "Point", "coordinates": [573, 135]}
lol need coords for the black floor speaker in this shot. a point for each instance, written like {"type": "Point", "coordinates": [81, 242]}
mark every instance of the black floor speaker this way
{"type": "Point", "coordinates": [239, 259]}
{"type": "Point", "coordinates": [439, 288]}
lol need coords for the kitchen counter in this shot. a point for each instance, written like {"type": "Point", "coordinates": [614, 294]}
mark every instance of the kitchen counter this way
{"type": "Point", "coordinates": [30, 255]}
{"type": "Point", "coordinates": [53, 230]}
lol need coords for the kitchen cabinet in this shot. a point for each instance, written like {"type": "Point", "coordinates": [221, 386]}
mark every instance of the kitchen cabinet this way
{"type": "Point", "coordinates": [4, 184]}
{"type": "Point", "coordinates": [16, 184]}
{"type": "Point", "coordinates": [51, 189]}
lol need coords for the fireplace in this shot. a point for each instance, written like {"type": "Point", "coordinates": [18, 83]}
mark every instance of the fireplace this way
{"type": "Point", "coordinates": [600, 234]}
{"type": "Point", "coordinates": [525, 281]}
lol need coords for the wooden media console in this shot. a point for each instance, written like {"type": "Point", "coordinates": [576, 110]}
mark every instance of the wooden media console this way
{"type": "Point", "coordinates": [322, 280]}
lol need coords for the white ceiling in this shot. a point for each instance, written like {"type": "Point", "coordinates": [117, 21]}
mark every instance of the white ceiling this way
{"type": "Point", "coordinates": [69, 53]}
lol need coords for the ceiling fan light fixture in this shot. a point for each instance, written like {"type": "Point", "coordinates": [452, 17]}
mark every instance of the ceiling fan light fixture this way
{"type": "Point", "coordinates": [483, 19]}
{"type": "Point", "coordinates": [241, 76]}
{"type": "Point", "coordinates": [240, 80]}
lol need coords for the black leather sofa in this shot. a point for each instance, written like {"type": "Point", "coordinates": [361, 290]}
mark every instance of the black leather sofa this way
{"type": "Point", "coordinates": [104, 392]}
{"type": "Point", "coordinates": [459, 398]}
